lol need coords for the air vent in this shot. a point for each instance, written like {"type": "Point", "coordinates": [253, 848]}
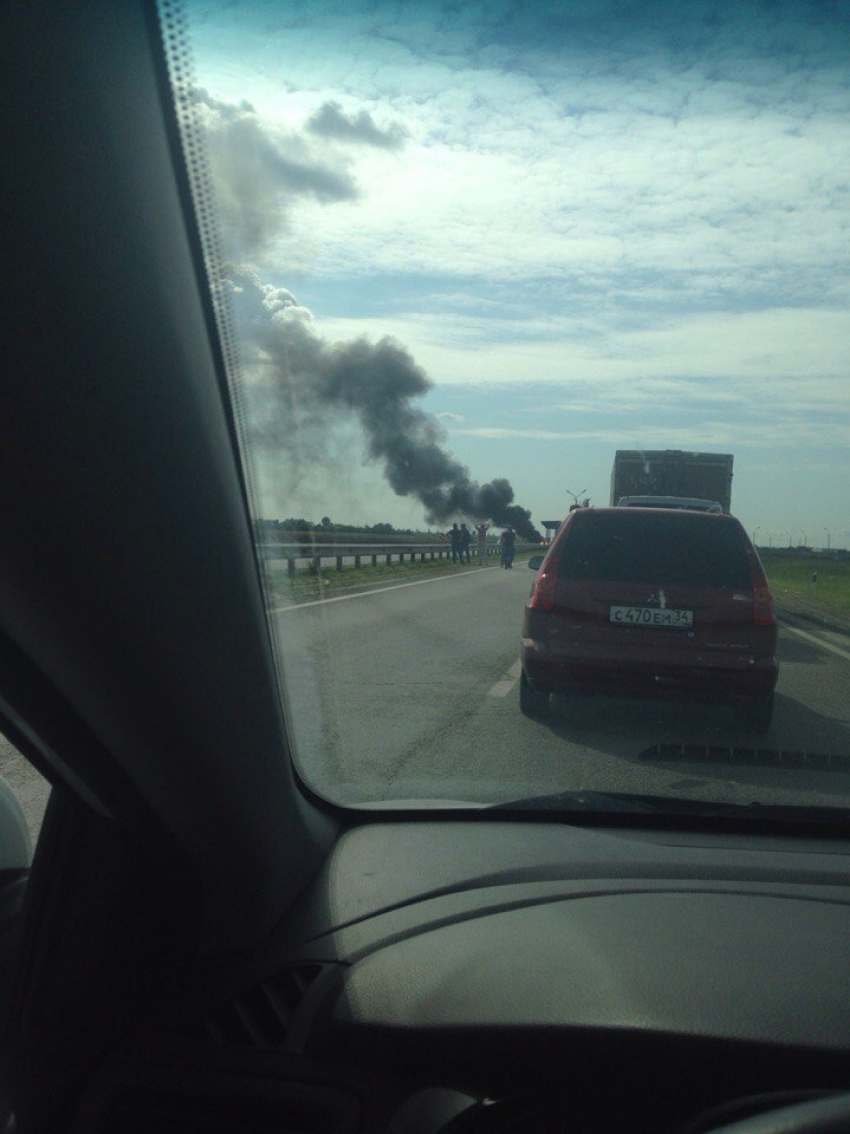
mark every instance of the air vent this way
{"type": "Point", "coordinates": [262, 1015]}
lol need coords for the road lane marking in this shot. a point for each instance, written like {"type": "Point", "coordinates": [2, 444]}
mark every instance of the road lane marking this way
{"type": "Point", "coordinates": [379, 590]}
{"type": "Point", "coordinates": [503, 687]}
{"type": "Point", "coordinates": [817, 641]}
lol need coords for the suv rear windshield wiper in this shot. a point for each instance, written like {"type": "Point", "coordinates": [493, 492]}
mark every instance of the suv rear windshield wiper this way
{"type": "Point", "coordinates": [621, 803]}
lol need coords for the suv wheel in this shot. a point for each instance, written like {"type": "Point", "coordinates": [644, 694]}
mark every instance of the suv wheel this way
{"type": "Point", "coordinates": [532, 702]}
{"type": "Point", "coordinates": [756, 717]}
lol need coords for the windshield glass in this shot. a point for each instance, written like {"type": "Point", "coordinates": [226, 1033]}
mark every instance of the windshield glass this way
{"type": "Point", "coordinates": [476, 265]}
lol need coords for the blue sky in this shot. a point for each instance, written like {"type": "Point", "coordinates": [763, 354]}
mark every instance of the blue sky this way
{"type": "Point", "coordinates": [596, 226]}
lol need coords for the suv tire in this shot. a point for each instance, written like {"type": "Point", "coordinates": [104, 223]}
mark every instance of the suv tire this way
{"type": "Point", "coordinates": [757, 716]}
{"type": "Point", "coordinates": [531, 701]}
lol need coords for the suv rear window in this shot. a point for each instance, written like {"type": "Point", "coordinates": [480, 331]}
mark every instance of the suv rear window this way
{"type": "Point", "coordinates": [648, 548]}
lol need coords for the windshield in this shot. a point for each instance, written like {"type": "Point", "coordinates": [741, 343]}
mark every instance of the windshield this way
{"type": "Point", "coordinates": [476, 265]}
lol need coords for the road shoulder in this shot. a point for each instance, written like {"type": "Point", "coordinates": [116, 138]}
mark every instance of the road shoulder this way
{"type": "Point", "coordinates": [810, 615]}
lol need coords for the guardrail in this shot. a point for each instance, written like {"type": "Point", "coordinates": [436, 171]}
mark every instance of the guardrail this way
{"type": "Point", "coordinates": [340, 539]}
{"type": "Point", "coordinates": [355, 554]}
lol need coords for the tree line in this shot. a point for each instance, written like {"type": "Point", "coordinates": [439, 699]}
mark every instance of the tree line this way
{"type": "Point", "coordinates": [326, 526]}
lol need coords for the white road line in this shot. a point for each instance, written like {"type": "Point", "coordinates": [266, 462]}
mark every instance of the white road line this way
{"type": "Point", "coordinates": [502, 688]}
{"type": "Point", "coordinates": [378, 591]}
{"type": "Point", "coordinates": [817, 641]}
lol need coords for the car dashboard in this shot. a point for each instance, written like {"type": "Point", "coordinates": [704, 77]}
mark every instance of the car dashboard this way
{"type": "Point", "coordinates": [483, 976]}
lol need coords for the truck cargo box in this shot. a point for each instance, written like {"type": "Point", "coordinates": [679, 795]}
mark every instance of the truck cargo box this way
{"type": "Point", "coordinates": [672, 472]}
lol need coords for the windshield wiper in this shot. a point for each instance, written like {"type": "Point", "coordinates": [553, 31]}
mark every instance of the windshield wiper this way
{"type": "Point", "coordinates": [622, 803]}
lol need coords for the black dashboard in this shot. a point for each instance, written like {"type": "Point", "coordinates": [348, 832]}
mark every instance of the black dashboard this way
{"type": "Point", "coordinates": [500, 976]}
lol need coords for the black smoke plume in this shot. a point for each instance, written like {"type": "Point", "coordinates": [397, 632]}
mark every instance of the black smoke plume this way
{"type": "Point", "coordinates": [376, 382]}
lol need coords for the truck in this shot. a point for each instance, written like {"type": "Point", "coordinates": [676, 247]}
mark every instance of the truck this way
{"type": "Point", "coordinates": [672, 472]}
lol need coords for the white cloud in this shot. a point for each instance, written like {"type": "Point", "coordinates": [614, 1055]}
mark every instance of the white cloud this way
{"type": "Point", "coordinates": [767, 377]}
{"type": "Point", "coordinates": [710, 435]}
{"type": "Point", "coordinates": [641, 227]}
{"type": "Point", "coordinates": [689, 160]}
{"type": "Point", "coordinates": [495, 433]}
{"type": "Point", "coordinates": [729, 207]}
{"type": "Point", "coordinates": [730, 177]}
{"type": "Point", "coordinates": [798, 353]}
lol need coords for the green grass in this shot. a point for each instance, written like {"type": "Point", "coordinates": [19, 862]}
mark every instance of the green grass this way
{"type": "Point", "coordinates": [305, 585]}
{"type": "Point", "coordinates": [793, 578]}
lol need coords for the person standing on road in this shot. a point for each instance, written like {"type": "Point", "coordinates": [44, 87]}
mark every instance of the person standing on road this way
{"type": "Point", "coordinates": [481, 532]}
{"type": "Point", "coordinates": [454, 540]}
{"type": "Point", "coordinates": [465, 540]}
{"type": "Point", "coordinates": [507, 540]}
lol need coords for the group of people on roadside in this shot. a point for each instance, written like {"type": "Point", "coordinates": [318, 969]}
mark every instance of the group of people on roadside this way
{"type": "Point", "coordinates": [460, 541]}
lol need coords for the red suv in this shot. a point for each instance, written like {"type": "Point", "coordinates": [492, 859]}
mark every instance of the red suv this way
{"type": "Point", "coordinates": [651, 602]}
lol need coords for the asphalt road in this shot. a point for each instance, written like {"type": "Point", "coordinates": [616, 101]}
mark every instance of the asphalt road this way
{"type": "Point", "coordinates": [411, 692]}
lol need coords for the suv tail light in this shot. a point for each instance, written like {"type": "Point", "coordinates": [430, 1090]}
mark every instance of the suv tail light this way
{"type": "Point", "coordinates": [546, 584]}
{"type": "Point", "coordinates": [543, 596]}
{"type": "Point", "coordinates": [763, 614]}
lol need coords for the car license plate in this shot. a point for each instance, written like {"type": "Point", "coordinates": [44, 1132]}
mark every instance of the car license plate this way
{"type": "Point", "coordinates": [651, 616]}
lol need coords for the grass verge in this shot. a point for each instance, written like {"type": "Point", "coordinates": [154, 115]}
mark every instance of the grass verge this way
{"type": "Point", "coordinates": [304, 586]}
{"type": "Point", "coordinates": [817, 583]}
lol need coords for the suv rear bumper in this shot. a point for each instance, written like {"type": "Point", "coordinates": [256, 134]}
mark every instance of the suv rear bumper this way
{"type": "Point", "coordinates": [711, 681]}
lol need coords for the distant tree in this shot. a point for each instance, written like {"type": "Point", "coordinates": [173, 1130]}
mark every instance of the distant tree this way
{"type": "Point", "coordinates": [263, 529]}
{"type": "Point", "coordinates": [326, 526]}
